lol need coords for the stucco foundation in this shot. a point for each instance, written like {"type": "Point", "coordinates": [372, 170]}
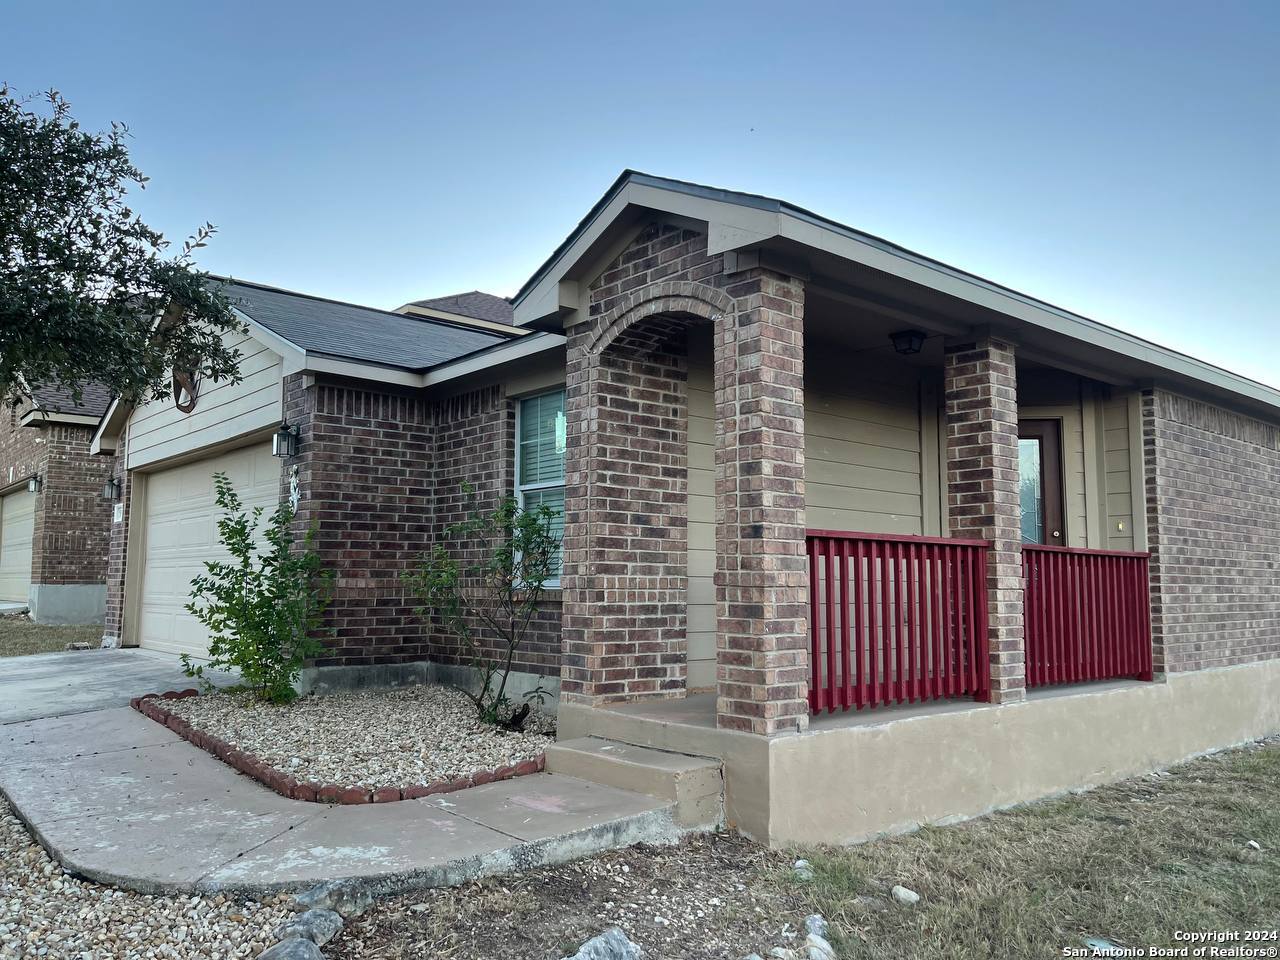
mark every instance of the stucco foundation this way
{"type": "Point", "coordinates": [850, 778]}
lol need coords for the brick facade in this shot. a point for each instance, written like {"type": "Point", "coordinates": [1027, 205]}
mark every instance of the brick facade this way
{"type": "Point", "coordinates": [380, 475]}
{"type": "Point", "coordinates": [626, 511]}
{"type": "Point", "coordinates": [118, 548]}
{"type": "Point", "coordinates": [980, 392]}
{"type": "Point", "coordinates": [1212, 482]}
{"type": "Point", "coordinates": [72, 533]}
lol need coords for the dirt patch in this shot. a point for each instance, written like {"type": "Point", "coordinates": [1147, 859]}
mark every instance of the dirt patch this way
{"type": "Point", "coordinates": [716, 897]}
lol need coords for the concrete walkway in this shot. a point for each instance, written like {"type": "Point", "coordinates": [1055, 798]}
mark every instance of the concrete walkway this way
{"type": "Point", "coordinates": [56, 684]}
{"type": "Point", "coordinates": [117, 798]}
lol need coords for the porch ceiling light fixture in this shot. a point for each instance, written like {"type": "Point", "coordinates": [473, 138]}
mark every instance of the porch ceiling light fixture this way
{"type": "Point", "coordinates": [111, 489]}
{"type": "Point", "coordinates": [907, 342]}
{"type": "Point", "coordinates": [34, 483]}
{"type": "Point", "coordinates": [284, 443]}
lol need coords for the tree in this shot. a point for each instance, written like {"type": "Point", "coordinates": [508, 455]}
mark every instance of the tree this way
{"type": "Point", "coordinates": [484, 580]}
{"type": "Point", "coordinates": [87, 291]}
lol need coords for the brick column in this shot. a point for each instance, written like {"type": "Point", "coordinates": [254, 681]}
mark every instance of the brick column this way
{"type": "Point", "coordinates": [982, 491]}
{"type": "Point", "coordinates": [761, 572]}
{"type": "Point", "coordinates": [625, 578]}
{"type": "Point", "coordinates": [118, 548]}
{"type": "Point", "coordinates": [1151, 469]}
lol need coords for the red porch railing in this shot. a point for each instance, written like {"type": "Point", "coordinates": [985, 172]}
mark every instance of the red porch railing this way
{"type": "Point", "coordinates": [895, 619]}
{"type": "Point", "coordinates": [1086, 615]}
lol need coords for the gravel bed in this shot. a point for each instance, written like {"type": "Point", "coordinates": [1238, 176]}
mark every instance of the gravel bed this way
{"type": "Point", "coordinates": [370, 738]}
{"type": "Point", "coordinates": [44, 912]}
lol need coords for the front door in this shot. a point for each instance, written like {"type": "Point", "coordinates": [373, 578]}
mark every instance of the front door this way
{"type": "Point", "coordinates": [1040, 481]}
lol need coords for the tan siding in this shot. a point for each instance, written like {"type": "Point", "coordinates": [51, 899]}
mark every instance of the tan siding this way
{"type": "Point", "coordinates": [862, 445]}
{"type": "Point", "coordinates": [1115, 416]}
{"type": "Point", "coordinates": [224, 411]}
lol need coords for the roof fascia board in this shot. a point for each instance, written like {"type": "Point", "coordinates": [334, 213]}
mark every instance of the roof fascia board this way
{"type": "Point", "coordinates": [315, 363]}
{"type": "Point", "coordinates": [106, 438]}
{"type": "Point", "coordinates": [491, 326]}
{"type": "Point", "coordinates": [294, 356]}
{"type": "Point", "coordinates": [37, 417]}
{"type": "Point", "coordinates": [495, 356]}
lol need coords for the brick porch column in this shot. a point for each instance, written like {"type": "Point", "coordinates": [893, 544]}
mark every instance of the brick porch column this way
{"type": "Point", "coordinates": [1151, 440]}
{"type": "Point", "coordinates": [980, 389]}
{"type": "Point", "coordinates": [761, 571]}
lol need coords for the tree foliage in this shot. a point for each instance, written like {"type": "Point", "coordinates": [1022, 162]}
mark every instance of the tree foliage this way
{"type": "Point", "coordinates": [87, 290]}
{"type": "Point", "coordinates": [484, 580]}
{"type": "Point", "coordinates": [263, 605]}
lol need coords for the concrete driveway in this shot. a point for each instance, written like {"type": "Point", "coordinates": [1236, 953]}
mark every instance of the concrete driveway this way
{"type": "Point", "coordinates": [77, 681]}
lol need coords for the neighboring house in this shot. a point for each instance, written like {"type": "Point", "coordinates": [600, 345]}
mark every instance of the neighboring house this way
{"type": "Point", "coordinates": [893, 542]}
{"type": "Point", "coordinates": [54, 518]}
{"type": "Point", "coordinates": [476, 309]}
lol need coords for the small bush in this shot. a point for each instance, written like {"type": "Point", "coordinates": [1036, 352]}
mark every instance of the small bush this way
{"type": "Point", "coordinates": [510, 554]}
{"type": "Point", "coordinates": [263, 605]}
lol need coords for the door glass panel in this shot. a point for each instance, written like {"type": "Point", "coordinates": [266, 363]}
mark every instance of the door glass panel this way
{"type": "Point", "coordinates": [1031, 472]}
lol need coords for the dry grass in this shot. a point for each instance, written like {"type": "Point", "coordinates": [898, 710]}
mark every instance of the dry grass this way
{"type": "Point", "coordinates": [19, 636]}
{"type": "Point", "coordinates": [1132, 863]}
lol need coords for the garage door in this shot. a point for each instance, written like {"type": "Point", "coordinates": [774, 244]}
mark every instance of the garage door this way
{"type": "Point", "coordinates": [182, 533]}
{"type": "Point", "coordinates": [17, 524]}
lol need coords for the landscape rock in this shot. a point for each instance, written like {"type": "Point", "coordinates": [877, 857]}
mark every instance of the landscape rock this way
{"type": "Point", "coordinates": [803, 870]}
{"type": "Point", "coordinates": [294, 949]}
{"type": "Point", "coordinates": [817, 925]}
{"type": "Point", "coordinates": [317, 925]}
{"type": "Point", "coordinates": [817, 948]}
{"type": "Point", "coordinates": [905, 896]}
{"type": "Point", "coordinates": [342, 898]}
{"type": "Point", "coordinates": [613, 944]}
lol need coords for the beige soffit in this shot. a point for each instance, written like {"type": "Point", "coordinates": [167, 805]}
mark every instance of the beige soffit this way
{"type": "Point", "coordinates": [735, 221]}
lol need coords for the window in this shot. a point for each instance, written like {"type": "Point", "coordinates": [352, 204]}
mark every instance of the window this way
{"type": "Point", "coordinates": [1040, 481]}
{"type": "Point", "coordinates": [541, 440]}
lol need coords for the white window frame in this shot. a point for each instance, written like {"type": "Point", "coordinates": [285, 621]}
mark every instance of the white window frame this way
{"type": "Point", "coordinates": [520, 488]}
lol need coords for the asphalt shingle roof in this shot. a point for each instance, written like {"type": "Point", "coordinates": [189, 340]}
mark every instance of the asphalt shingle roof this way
{"type": "Point", "coordinates": [481, 306]}
{"type": "Point", "coordinates": [351, 332]}
{"type": "Point", "coordinates": [55, 398]}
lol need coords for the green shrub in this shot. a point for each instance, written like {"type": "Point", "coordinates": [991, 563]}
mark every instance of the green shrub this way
{"type": "Point", "coordinates": [484, 580]}
{"type": "Point", "coordinates": [263, 605]}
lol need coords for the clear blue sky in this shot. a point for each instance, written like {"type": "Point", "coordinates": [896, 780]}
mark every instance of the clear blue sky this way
{"type": "Point", "coordinates": [1118, 159]}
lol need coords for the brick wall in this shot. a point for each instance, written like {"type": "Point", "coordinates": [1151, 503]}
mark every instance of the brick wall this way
{"type": "Point", "coordinates": [1212, 487]}
{"type": "Point", "coordinates": [72, 522]}
{"type": "Point", "coordinates": [118, 548]}
{"type": "Point", "coordinates": [381, 474]}
{"type": "Point", "coordinates": [475, 444]}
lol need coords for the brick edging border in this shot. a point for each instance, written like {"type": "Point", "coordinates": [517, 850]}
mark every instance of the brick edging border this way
{"type": "Point", "coordinates": [309, 791]}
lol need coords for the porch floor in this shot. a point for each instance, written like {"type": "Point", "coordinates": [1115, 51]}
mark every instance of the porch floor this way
{"type": "Point", "coordinates": [698, 709]}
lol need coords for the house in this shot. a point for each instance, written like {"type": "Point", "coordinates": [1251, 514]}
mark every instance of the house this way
{"type": "Point", "coordinates": [893, 542]}
{"type": "Point", "coordinates": [54, 519]}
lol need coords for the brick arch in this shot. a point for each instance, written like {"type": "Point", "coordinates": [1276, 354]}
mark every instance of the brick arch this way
{"type": "Point", "coordinates": [680, 298]}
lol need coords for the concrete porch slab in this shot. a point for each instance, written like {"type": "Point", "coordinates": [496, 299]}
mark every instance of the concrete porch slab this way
{"type": "Point", "coordinates": [118, 799]}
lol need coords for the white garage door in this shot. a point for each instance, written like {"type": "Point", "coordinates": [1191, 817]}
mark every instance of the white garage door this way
{"type": "Point", "coordinates": [17, 525]}
{"type": "Point", "coordinates": [182, 533]}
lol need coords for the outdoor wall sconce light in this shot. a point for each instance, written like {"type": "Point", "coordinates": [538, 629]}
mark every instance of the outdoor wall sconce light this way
{"type": "Point", "coordinates": [907, 342]}
{"type": "Point", "coordinates": [34, 483]}
{"type": "Point", "coordinates": [111, 489]}
{"type": "Point", "coordinates": [285, 442]}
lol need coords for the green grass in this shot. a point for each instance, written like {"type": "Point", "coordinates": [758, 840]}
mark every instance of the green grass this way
{"type": "Point", "coordinates": [1132, 863]}
{"type": "Point", "coordinates": [19, 637]}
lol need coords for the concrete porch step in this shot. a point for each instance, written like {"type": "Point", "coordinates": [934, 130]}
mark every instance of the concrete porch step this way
{"type": "Point", "coordinates": [694, 784]}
